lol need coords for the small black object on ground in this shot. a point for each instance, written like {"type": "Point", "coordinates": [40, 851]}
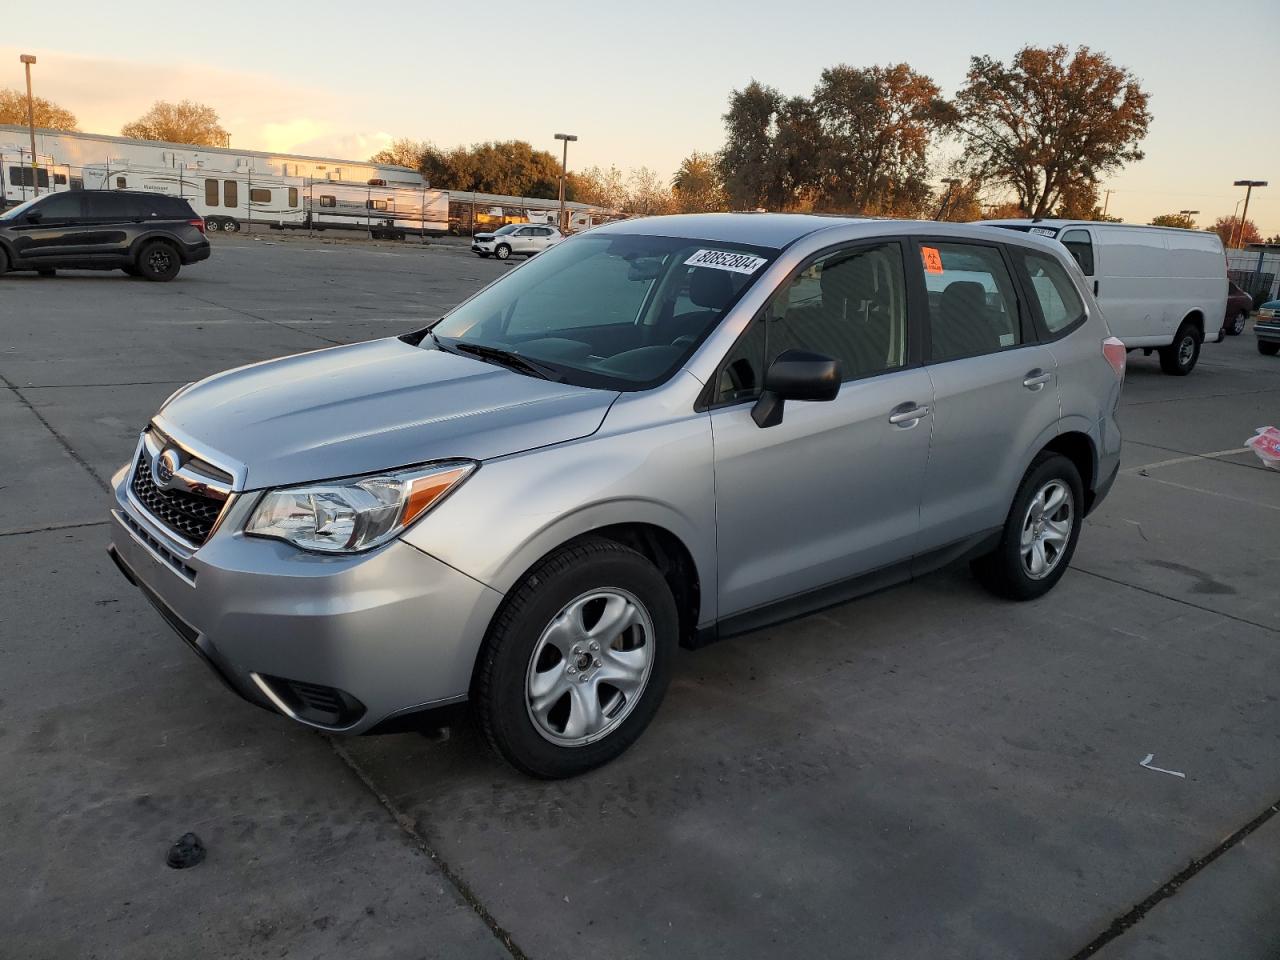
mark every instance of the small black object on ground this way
{"type": "Point", "coordinates": [187, 852]}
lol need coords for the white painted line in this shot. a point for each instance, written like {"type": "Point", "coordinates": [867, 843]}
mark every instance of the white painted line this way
{"type": "Point", "coordinates": [1147, 763]}
{"type": "Point", "coordinates": [1191, 459]}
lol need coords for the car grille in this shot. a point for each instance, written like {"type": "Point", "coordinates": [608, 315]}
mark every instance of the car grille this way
{"type": "Point", "coordinates": [189, 515]}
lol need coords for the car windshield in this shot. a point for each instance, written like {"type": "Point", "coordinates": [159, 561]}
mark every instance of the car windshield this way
{"type": "Point", "coordinates": [622, 311]}
{"type": "Point", "coordinates": [15, 212]}
{"type": "Point", "coordinates": [509, 228]}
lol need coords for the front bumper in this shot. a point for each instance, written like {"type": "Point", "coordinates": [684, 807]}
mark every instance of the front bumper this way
{"type": "Point", "coordinates": [483, 246]}
{"type": "Point", "coordinates": [1267, 328]}
{"type": "Point", "coordinates": [388, 632]}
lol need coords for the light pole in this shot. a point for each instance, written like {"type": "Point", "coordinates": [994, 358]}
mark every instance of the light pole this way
{"type": "Point", "coordinates": [951, 183]}
{"type": "Point", "coordinates": [564, 173]}
{"type": "Point", "coordinates": [27, 60]}
{"type": "Point", "coordinates": [1249, 185]}
{"type": "Point", "coordinates": [1189, 214]}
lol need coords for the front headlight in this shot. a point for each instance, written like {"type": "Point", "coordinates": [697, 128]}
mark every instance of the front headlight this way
{"type": "Point", "coordinates": [347, 516]}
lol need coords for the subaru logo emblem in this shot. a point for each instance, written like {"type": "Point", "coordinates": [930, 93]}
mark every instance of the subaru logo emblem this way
{"type": "Point", "coordinates": [164, 468]}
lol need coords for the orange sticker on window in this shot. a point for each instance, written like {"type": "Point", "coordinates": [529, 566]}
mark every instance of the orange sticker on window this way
{"type": "Point", "coordinates": [932, 259]}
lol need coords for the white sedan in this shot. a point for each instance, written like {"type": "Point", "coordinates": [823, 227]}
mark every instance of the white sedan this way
{"type": "Point", "coordinates": [522, 238]}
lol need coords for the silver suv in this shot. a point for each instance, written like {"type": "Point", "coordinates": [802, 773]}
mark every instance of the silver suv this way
{"type": "Point", "coordinates": [661, 432]}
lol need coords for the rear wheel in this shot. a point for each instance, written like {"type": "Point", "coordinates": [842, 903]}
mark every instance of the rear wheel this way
{"type": "Point", "coordinates": [231, 226]}
{"type": "Point", "coordinates": [577, 660]}
{"type": "Point", "coordinates": [158, 261]}
{"type": "Point", "coordinates": [1179, 358]}
{"type": "Point", "coordinates": [1237, 324]}
{"type": "Point", "coordinates": [1268, 347]}
{"type": "Point", "coordinates": [4, 262]}
{"type": "Point", "coordinates": [212, 224]}
{"type": "Point", "coordinates": [1039, 534]}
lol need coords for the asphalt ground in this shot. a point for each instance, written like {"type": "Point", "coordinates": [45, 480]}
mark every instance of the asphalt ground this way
{"type": "Point", "coordinates": [925, 772]}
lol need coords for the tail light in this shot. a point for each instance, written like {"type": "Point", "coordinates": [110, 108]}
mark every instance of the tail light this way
{"type": "Point", "coordinates": [1113, 349]}
{"type": "Point", "coordinates": [198, 223]}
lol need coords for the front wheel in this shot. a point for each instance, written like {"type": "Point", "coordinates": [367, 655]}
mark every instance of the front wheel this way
{"type": "Point", "coordinates": [1179, 358]}
{"type": "Point", "coordinates": [158, 261]}
{"type": "Point", "coordinates": [1268, 348]}
{"type": "Point", "coordinates": [577, 660]}
{"type": "Point", "coordinates": [231, 226]}
{"type": "Point", "coordinates": [1039, 534]}
{"type": "Point", "coordinates": [1236, 327]}
{"type": "Point", "coordinates": [502, 252]}
{"type": "Point", "coordinates": [212, 224]}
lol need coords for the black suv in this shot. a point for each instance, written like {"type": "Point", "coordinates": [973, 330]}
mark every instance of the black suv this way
{"type": "Point", "coordinates": [143, 234]}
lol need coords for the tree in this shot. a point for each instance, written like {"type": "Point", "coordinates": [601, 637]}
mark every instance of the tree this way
{"type": "Point", "coordinates": [403, 153]}
{"type": "Point", "coordinates": [875, 127]}
{"type": "Point", "coordinates": [604, 188]}
{"type": "Point", "coordinates": [959, 203]}
{"type": "Point", "coordinates": [1182, 220]}
{"type": "Point", "coordinates": [696, 186]}
{"type": "Point", "coordinates": [647, 194]}
{"type": "Point", "coordinates": [13, 109]}
{"type": "Point", "coordinates": [747, 159]}
{"type": "Point", "coordinates": [184, 122]}
{"type": "Point", "coordinates": [1229, 229]}
{"type": "Point", "coordinates": [1050, 121]}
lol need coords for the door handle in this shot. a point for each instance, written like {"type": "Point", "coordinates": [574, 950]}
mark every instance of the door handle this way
{"type": "Point", "coordinates": [1036, 379]}
{"type": "Point", "coordinates": [909, 417]}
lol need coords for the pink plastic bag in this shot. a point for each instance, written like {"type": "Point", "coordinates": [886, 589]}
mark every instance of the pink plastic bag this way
{"type": "Point", "coordinates": [1266, 444]}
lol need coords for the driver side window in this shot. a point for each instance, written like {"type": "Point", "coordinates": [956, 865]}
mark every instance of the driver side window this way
{"type": "Point", "coordinates": [849, 305]}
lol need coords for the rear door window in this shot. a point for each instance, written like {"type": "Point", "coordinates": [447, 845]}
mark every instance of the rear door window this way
{"type": "Point", "coordinates": [101, 205]}
{"type": "Point", "coordinates": [973, 309]}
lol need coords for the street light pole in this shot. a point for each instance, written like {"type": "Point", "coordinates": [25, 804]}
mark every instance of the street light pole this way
{"type": "Point", "coordinates": [951, 183]}
{"type": "Point", "coordinates": [1249, 185]}
{"type": "Point", "coordinates": [27, 60]}
{"type": "Point", "coordinates": [564, 173]}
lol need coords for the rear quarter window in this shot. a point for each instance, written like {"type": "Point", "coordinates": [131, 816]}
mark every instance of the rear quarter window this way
{"type": "Point", "coordinates": [1060, 305]}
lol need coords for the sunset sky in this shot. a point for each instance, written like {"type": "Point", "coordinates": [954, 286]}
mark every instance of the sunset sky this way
{"type": "Point", "coordinates": [644, 84]}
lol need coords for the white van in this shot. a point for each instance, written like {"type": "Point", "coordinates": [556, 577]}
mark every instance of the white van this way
{"type": "Point", "coordinates": [1161, 288]}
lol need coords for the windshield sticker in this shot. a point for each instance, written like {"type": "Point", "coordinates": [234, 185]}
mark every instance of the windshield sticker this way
{"type": "Point", "coordinates": [932, 259]}
{"type": "Point", "coordinates": [1043, 232]}
{"type": "Point", "coordinates": [723, 260]}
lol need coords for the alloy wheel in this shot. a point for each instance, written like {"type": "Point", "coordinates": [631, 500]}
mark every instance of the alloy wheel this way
{"type": "Point", "coordinates": [1046, 529]}
{"type": "Point", "coordinates": [589, 668]}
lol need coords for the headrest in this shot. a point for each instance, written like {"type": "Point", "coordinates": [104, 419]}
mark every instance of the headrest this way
{"type": "Point", "coordinates": [965, 294]}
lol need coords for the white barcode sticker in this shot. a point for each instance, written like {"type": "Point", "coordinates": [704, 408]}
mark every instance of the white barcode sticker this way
{"type": "Point", "coordinates": [723, 260]}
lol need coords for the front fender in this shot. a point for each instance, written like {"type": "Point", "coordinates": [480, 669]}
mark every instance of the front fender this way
{"type": "Point", "coordinates": [515, 510]}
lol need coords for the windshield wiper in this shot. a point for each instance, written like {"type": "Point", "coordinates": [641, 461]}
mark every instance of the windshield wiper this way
{"type": "Point", "coordinates": [509, 358]}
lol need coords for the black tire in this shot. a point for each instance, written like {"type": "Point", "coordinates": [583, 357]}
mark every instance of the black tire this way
{"type": "Point", "coordinates": [4, 262]}
{"type": "Point", "coordinates": [230, 226]}
{"type": "Point", "coordinates": [1179, 358]}
{"type": "Point", "coordinates": [47, 273]}
{"type": "Point", "coordinates": [1237, 324]}
{"type": "Point", "coordinates": [499, 691]}
{"type": "Point", "coordinates": [212, 224]}
{"type": "Point", "coordinates": [1268, 348]}
{"type": "Point", "coordinates": [1004, 571]}
{"type": "Point", "coordinates": [502, 251]}
{"type": "Point", "coordinates": [157, 261]}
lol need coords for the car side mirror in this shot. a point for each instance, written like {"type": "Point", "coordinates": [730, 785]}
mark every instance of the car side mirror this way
{"type": "Point", "coordinates": [35, 216]}
{"type": "Point", "coordinates": [795, 375]}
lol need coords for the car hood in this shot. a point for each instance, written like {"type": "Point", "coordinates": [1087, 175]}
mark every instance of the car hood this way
{"type": "Point", "coordinates": [483, 236]}
{"type": "Point", "coordinates": [373, 406]}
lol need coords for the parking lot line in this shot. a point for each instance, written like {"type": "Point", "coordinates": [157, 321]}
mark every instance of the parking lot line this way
{"type": "Point", "coordinates": [1143, 468]}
